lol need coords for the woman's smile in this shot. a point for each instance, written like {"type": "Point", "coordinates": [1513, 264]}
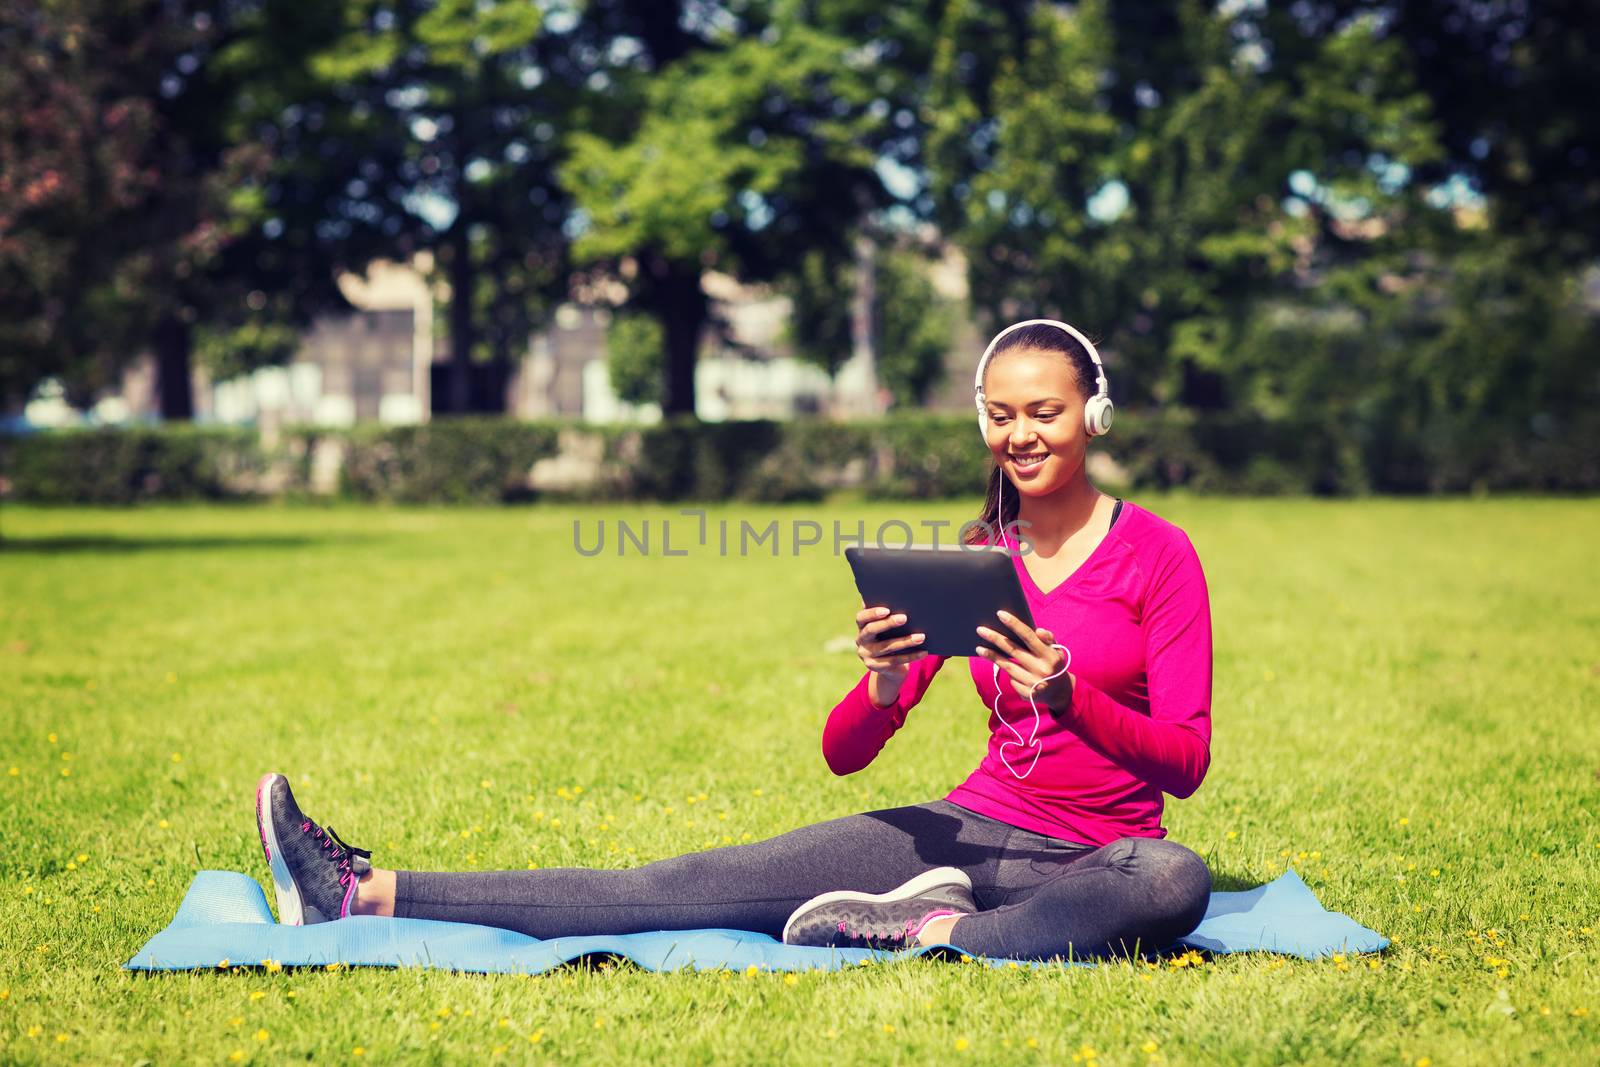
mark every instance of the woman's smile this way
{"type": "Point", "coordinates": [1027, 464]}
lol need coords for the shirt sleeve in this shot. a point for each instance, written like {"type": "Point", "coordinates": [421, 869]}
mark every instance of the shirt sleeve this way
{"type": "Point", "coordinates": [1171, 747]}
{"type": "Point", "coordinates": [857, 729]}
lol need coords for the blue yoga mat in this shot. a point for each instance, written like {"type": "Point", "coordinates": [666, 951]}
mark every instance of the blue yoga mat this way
{"type": "Point", "coordinates": [224, 920]}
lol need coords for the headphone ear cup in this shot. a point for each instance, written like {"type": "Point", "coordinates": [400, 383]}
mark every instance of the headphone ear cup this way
{"type": "Point", "coordinates": [1097, 415]}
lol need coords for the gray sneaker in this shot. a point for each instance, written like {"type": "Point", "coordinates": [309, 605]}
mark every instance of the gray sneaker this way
{"type": "Point", "coordinates": [892, 920]}
{"type": "Point", "coordinates": [314, 873]}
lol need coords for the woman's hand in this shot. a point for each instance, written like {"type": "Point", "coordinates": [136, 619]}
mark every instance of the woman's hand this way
{"type": "Point", "coordinates": [1031, 657]}
{"type": "Point", "coordinates": [887, 658]}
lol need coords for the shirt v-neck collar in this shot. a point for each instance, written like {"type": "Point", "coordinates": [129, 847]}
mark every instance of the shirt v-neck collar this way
{"type": "Point", "coordinates": [1032, 588]}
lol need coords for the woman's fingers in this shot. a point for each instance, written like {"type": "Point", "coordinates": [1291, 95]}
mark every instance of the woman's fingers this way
{"type": "Point", "coordinates": [1024, 633]}
{"type": "Point", "coordinates": [893, 661]}
{"type": "Point", "coordinates": [879, 648]}
{"type": "Point", "coordinates": [877, 626]}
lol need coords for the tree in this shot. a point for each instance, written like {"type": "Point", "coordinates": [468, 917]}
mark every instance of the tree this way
{"type": "Point", "coordinates": [466, 100]}
{"type": "Point", "coordinates": [743, 148]}
{"type": "Point", "coordinates": [911, 323]}
{"type": "Point", "coordinates": [159, 196]}
{"type": "Point", "coordinates": [1148, 172]}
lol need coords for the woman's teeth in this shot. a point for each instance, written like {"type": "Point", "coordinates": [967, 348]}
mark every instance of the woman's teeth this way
{"type": "Point", "coordinates": [1029, 461]}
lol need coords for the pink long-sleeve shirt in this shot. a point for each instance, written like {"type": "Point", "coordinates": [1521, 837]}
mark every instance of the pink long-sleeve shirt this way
{"type": "Point", "coordinates": [1137, 618]}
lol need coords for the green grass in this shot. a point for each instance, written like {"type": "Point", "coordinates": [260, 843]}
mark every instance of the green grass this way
{"type": "Point", "coordinates": [1405, 709]}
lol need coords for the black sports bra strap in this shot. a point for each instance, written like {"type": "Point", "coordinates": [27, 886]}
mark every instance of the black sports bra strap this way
{"type": "Point", "coordinates": [1115, 512]}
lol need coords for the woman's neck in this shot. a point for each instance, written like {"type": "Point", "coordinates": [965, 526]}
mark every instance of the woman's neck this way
{"type": "Point", "coordinates": [1055, 518]}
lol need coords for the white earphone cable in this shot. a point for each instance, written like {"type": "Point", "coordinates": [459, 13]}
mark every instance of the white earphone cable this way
{"type": "Point", "coordinates": [1028, 742]}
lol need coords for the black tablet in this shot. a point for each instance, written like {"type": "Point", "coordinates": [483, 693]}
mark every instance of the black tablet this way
{"type": "Point", "coordinates": [945, 593]}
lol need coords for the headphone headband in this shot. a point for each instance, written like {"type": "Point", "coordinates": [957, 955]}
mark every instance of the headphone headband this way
{"type": "Point", "coordinates": [1101, 386]}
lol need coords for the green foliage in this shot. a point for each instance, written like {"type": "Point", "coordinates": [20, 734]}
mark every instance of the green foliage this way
{"type": "Point", "coordinates": [131, 466]}
{"type": "Point", "coordinates": [456, 460]}
{"type": "Point", "coordinates": [821, 290]}
{"type": "Point", "coordinates": [913, 326]}
{"type": "Point", "coordinates": [1346, 447]}
{"type": "Point", "coordinates": [692, 182]}
{"type": "Point", "coordinates": [635, 357]}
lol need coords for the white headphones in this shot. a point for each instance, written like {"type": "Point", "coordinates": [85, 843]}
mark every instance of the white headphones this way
{"type": "Point", "coordinates": [1097, 411]}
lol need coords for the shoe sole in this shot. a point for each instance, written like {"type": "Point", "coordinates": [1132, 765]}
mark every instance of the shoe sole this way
{"type": "Point", "coordinates": [922, 883]}
{"type": "Point", "coordinates": [291, 910]}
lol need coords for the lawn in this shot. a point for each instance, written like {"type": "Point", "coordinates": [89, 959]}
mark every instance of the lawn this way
{"type": "Point", "coordinates": [1405, 710]}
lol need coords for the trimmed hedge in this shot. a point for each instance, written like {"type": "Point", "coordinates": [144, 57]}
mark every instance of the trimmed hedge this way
{"type": "Point", "coordinates": [127, 466]}
{"type": "Point", "coordinates": [451, 460]}
{"type": "Point", "coordinates": [479, 460]}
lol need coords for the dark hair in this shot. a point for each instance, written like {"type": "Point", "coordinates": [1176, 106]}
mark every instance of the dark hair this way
{"type": "Point", "coordinates": [1040, 337]}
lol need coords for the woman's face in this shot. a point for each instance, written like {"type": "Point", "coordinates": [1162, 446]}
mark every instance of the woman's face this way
{"type": "Point", "coordinates": [1035, 419]}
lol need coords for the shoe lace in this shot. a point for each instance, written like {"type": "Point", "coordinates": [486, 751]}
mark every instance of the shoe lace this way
{"type": "Point", "coordinates": [873, 936]}
{"type": "Point", "coordinates": [351, 862]}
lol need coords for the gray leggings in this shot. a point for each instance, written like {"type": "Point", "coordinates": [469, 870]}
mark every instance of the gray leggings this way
{"type": "Point", "coordinates": [1038, 897]}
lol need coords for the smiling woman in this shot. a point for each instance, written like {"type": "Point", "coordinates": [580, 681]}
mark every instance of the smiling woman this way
{"type": "Point", "coordinates": [1052, 846]}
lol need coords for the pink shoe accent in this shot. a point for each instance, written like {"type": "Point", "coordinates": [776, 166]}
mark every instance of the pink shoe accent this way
{"type": "Point", "coordinates": [941, 913]}
{"type": "Point", "coordinates": [349, 893]}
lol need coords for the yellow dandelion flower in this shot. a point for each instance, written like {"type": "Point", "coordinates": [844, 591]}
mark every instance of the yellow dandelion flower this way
{"type": "Point", "coordinates": [177, 757]}
{"type": "Point", "coordinates": [15, 772]}
{"type": "Point", "coordinates": [790, 979]}
{"type": "Point", "coordinates": [83, 857]}
{"type": "Point", "coordinates": [257, 994]}
{"type": "Point", "coordinates": [35, 1031]}
{"type": "Point", "coordinates": [236, 1056]}
{"type": "Point", "coordinates": [51, 738]}
{"type": "Point", "coordinates": [66, 772]}
{"type": "Point", "coordinates": [71, 866]}
{"type": "Point", "coordinates": [1032, 1042]}
{"type": "Point", "coordinates": [752, 969]}
{"type": "Point", "coordinates": [962, 1044]}
{"type": "Point", "coordinates": [1580, 1013]}
{"type": "Point", "coordinates": [599, 1022]}
{"type": "Point", "coordinates": [536, 1037]}
{"type": "Point", "coordinates": [163, 824]}
{"type": "Point", "coordinates": [888, 1028]}
{"type": "Point", "coordinates": [358, 1051]}
{"type": "Point", "coordinates": [262, 1035]}
{"type": "Point", "coordinates": [62, 1038]}
{"type": "Point", "coordinates": [222, 962]}
{"type": "Point", "coordinates": [1148, 1047]}
{"type": "Point", "coordinates": [1233, 835]}
{"type": "Point", "coordinates": [237, 1020]}
{"type": "Point", "coordinates": [1405, 822]}
{"type": "Point", "coordinates": [444, 1012]}
{"type": "Point", "coordinates": [1424, 1061]}
{"type": "Point", "coordinates": [503, 1022]}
